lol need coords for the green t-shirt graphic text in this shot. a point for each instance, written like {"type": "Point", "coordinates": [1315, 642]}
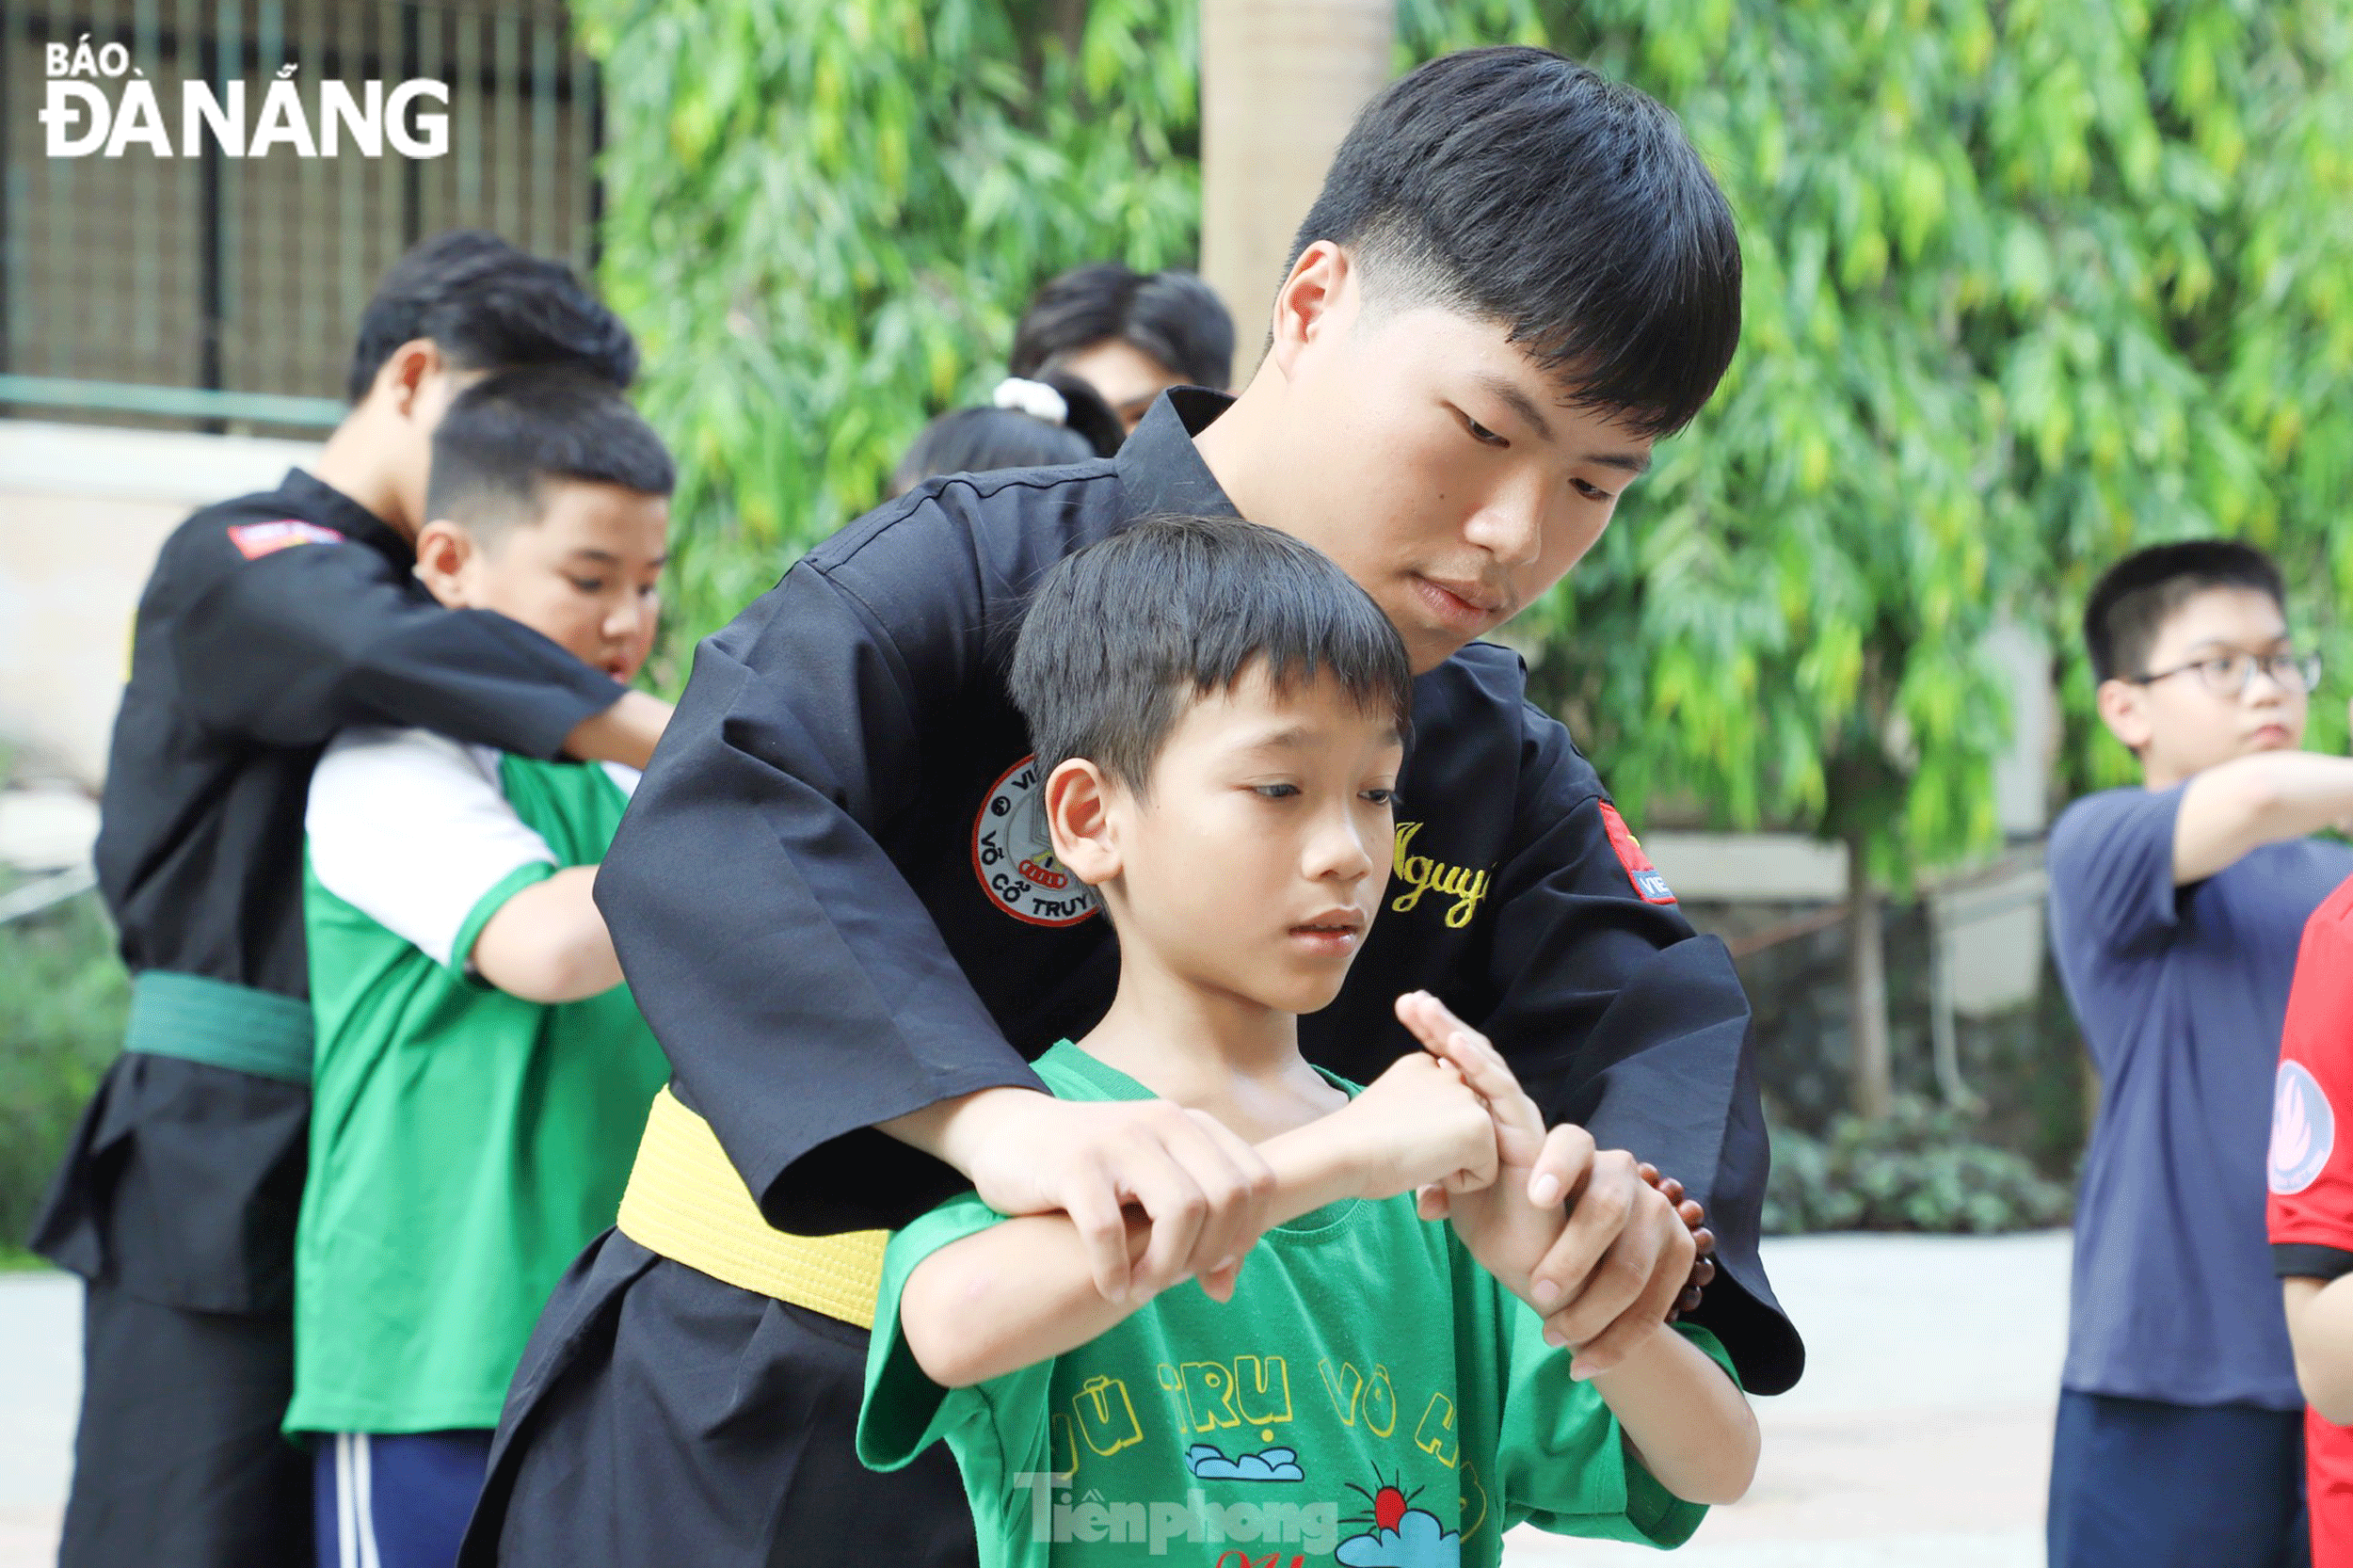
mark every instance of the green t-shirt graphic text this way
{"type": "Point", "coordinates": [1369, 1396]}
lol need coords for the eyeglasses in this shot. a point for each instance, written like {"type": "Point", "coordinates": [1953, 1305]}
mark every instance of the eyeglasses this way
{"type": "Point", "coordinates": [2228, 673]}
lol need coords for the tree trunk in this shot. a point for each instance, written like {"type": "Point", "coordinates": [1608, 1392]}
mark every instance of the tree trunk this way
{"type": "Point", "coordinates": [1866, 989]}
{"type": "Point", "coordinates": [1280, 82]}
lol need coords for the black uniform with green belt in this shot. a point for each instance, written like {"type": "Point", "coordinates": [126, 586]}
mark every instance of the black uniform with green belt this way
{"type": "Point", "coordinates": [270, 622]}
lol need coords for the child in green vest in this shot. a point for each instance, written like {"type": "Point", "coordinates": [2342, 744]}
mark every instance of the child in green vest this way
{"type": "Point", "coordinates": [481, 1074]}
{"type": "Point", "coordinates": [1220, 715]}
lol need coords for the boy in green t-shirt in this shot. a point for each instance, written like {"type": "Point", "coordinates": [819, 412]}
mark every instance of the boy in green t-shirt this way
{"type": "Point", "coordinates": [480, 1076]}
{"type": "Point", "coordinates": [1220, 714]}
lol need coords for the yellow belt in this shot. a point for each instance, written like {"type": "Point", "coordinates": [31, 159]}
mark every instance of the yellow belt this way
{"type": "Point", "coordinates": [686, 1202]}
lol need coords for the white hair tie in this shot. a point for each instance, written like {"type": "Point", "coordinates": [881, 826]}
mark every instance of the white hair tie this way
{"type": "Point", "coordinates": [1033, 399]}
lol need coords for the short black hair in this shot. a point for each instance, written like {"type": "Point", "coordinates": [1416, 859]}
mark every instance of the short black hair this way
{"type": "Point", "coordinates": [1172, 316]}
{"type": "Point", "coordinates": [509, 436]}
{"type": "Point", "coordinates": [1122, 636]}
{"type": "Point", "coordinates": [489, 305]}
{"type": "Point", "coordinates": [2134, 598]}
{"type": "Point", "coordinates": [1517, 186]}
{"type": "Point", "coordinates": [975, 441]}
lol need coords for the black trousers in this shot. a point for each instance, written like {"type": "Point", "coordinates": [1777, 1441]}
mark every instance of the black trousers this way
{"type": "Point", "coordinates": [176, 1204]}
{"type": "Point", "coordinates": [661, 1416]}
{"type": "Point", "coordinates": [177, 1462]}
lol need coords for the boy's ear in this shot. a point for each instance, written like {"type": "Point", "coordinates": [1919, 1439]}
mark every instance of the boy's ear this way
{"type": "Point", "coordinates": [1303, 306]}
{"type": "Point", "coordinates": [442, 551]}
{"type": "Point", "coordinates": [2125, 709]}
{"type": "Point", "coordinates": [1080, 819]}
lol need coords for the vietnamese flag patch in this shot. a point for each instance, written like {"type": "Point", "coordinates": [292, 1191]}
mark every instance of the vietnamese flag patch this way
{"type": "Point", "coordinates": [1648, 884]}
{"type": "Point", "coordinates": [256, 539]}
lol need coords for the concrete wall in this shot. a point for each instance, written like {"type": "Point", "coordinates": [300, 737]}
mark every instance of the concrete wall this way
{"type": "Point", "coordinates": [82, 512]}
{"type": "Point", "coordinates": [1988, 923]}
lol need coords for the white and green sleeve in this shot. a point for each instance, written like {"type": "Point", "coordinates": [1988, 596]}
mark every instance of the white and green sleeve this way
{"type": "Point", "coordinates": [412, 830]}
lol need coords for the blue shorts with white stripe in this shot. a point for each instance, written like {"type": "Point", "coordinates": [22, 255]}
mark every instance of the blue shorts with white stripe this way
{"type": "Point", "coordinates": [396, 1499]}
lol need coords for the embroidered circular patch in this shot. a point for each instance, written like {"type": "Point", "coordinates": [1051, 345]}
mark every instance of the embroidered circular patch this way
{"type": "Point", "coordinates": [2303, 1129]}
{"type": "Point", "coordinates": [1012, 855]}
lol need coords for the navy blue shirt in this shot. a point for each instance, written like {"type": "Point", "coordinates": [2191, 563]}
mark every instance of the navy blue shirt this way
{"type": "Point", "coordinates": [2181, 993]}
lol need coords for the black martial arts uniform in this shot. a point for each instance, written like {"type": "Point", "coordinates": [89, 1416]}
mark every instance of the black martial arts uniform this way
{"type": "Point", "coordinates": [823, 904]}
{"type": "Point", "coordinates": [270, 622]}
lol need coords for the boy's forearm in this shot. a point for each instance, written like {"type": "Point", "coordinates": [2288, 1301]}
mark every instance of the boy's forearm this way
{"type": "Point", "coordinates": [1008, 1297]}
{"type": "Point", "coordinates": [548, 943]}
{"type": "Point", "coordinates": [1314, 1165]}
{"type": "Point", "coordinates": [2243, 804]}
{"type": "Point", "coordinates": [2320, 1328]}
{"type": "Point", "coordinates": [1020, 1292]}
{"type": "Point", "coordinates": [1686, 1421]}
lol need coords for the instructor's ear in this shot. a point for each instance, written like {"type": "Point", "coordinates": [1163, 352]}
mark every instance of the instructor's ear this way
{"type": "Point", "coordinates": [442, 551]}
{"type": "Point", "coordinates": [1079, 818]}
{"type": "Point", "coordinates": [406, 373]}
{"type": "Point", "coordinates": [1307, 306]}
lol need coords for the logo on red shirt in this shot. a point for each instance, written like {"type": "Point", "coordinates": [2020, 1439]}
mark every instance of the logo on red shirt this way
{"type": "Point", "coordinates": [2303, 1129]}
{"type": "Point", "coordinates": [257, 540]}
{"type": "Point", "coordinates": [1648, 884]}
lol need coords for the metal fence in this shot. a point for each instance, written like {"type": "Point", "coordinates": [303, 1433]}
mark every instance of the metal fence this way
{"type": "Point", "coordinates": [198, 289]}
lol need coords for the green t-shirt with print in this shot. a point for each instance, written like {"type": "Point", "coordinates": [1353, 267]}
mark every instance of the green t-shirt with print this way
{"type": "Point", "coordinates": [1369, 1396]}
{"type": "Point", "coordinates": [465, 1144]}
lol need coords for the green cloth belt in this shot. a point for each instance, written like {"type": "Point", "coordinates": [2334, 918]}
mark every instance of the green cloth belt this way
{"type": "Point", "coordinates": [219, 1024]}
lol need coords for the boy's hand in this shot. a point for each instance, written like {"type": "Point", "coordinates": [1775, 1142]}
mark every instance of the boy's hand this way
{"type": "Point", "coordinates": [1507, 1233]}
{"type": "Point", "coordinates": [1620, 1255]}
{"type": "Point", "coordinates": [1416, 1126]}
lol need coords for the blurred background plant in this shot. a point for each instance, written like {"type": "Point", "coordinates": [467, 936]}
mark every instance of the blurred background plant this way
{"type": "Point", "coordinates": [822, 221]}
{"type": "Point", "coordinates": [2028, 286]}
{"type": "Point", "coordinates": [64, 996]}
{"type": "Point", "coordinates": [1921, 1167]}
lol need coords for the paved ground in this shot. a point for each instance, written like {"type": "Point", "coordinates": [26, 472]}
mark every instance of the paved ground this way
{"type": "Point", "coordinates": [1921, 1432]}
{"type": "Point", "coordinates": [1920, 1436]}
{"type": "Point", "coordinates": [40, 1377]}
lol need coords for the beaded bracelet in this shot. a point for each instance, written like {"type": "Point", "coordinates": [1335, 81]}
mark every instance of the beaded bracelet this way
{"type": "Point", "coordinates": [1694, 1219]}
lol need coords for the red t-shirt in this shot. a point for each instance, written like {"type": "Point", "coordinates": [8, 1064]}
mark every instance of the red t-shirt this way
{"type": "Point", "coordinates": [2311, 1172]}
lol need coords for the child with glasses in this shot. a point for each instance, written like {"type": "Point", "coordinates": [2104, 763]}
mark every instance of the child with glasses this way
{"type": "Point", "coordinates": [2176, 909]}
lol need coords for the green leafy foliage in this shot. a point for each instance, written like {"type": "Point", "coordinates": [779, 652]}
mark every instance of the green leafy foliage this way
{"type": "Point", "coordinates": [822, 221]}
{"type": "Point", "coordinates": [66, 997]}
{"type": "Point", "coordinates": [2028, 284]}
{"type": "Point", "coordinates": [1921, 1168]}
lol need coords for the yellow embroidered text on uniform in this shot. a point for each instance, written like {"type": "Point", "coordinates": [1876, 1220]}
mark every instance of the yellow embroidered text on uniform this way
{"type": "Point", "coordinates": [1421, 874]}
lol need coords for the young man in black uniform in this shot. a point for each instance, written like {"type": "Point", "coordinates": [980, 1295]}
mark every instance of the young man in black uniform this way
{"type": "Point", "coordinates": [834, 901]}
{"type": "Point", "coordinates": [269, 623]}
